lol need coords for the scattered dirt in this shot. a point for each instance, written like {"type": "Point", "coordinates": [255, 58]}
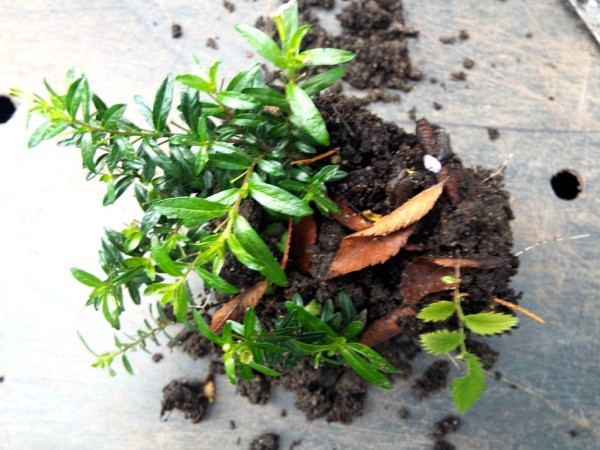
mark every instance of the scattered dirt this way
{"type": "Point", "coordinates": [404, 413]}
{"type": "Point", "coordinates": [433, 379]}
{"type": "Point", "coordinates": [192, 398]}
{"type": "Point", "coordinates": [468, 63]}
{"type": "Point", "coordinates": [463, 35]}
{"type": "Point", "coordinates": [157, 357]}
{"type": "Point", "coordinates": [459, 75]}
{"type": "Point", "coordinates": [176, 31]}
{"type": "Point", "coordinates": [493, 133]}
{"type": "Point", "coordinates": [443, 445]}
{"type": "Point", "coordinates": [267, 441]}
{"type": "Point", "coordinates": [447, 425]}
{"type": "Point", "coordinates": [447, 39]}
{"type": "Point", "coordinates": [229, 6]}
{"type": "Point", "coordinates": [211, 43]}
{"type": "Point", "coordinates": [437, 106]}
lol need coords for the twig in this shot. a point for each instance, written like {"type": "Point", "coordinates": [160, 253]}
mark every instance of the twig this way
{"type": "Point", "coordinates": [520, 309]}
{"type": "Point", "coordinates": [501, 169]}
{"type": "Point", "coordinates": [316, 158]}
{"type": "Point", "coordinates": [555, 239]}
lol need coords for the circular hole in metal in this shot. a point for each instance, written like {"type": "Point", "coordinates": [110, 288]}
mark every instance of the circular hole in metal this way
{"type": "Point", "coordinates": [566, 184]}
{"type": "Point", "coordinates": [7, 108]}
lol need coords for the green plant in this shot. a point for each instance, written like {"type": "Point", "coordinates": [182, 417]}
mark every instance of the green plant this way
{"type": "Point", "coordinates": [327, 338]}
{"type": "Point", "coordinates": [467, 389]}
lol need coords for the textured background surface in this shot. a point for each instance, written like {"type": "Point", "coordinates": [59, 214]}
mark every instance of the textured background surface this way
{"type": "Point", "coordinates": [52, 220]}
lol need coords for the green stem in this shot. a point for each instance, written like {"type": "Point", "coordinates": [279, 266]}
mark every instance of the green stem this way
{"type": "Point", "coordinates": [459, 312]}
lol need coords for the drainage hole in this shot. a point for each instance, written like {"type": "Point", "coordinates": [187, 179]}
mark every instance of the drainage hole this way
{"type": "Point", "coordinates": [7, 108]}
{"type": "Point", "coordinates": [566, 184]}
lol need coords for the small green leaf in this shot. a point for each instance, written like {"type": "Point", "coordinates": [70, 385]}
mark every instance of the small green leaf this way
{"type": "Point", "coordinates": [490, 323]}
{"type": "Point", "coordinates": [111, 310]}
{"type": "Point", "coordinates": [449, 279]}
{"type": "Point", "coordinates": [467, 390]}
{"type": "Point", "coordinates": [205, 329]}
{"type": "Point", "coordinates": [273, 168]}
{"type": "Point", "coordinates": [438, 311]}
{"type": "Point", "coordinates": [237, 100]}
{"type": "Point", "coordinates": [127, 364]}
{"type": "Point", "coordinates": [88, 150]}
{"type": "Point", "coordinates": [181, 301]}
{"type": "Point", "coordinates": [267, 96]}
{"type": "Point", "coordinates": [229, 363]}
{"type": "Point", "coordinates": [230, 161]}
{"type": "Point", "coordinates": [47, 130]}
{"type": "Point", "coordinates": [325, 56]}
{"type": "Point", "coordinates": [249, 322]}
{"type": "Point", "coordinates": [253, 244]}
{"type": "Point", "coordinates": [265, 370]}
{"type": "Point", "coordinates": [364, 369]}
{"type": "Point", "coordinates": [163, 260]}
{"type": "Point", "coordinates": [296, 39]}
{"type": "Point", "coordinates": [308, 321]}
{"type": "Point", "coordinates": [242, 255]}
{"type": "Point", "coordinates": [113, 115]}
{"type": "Point", "coordinates": [162, 104]}
{"type": "Point", "coordinates": [194, 210]}
{"type": "Point", "coordinates": [196, 82]}
{"type": "Point", "coordinates": [279, 200]}
{"type": "Point", "coordinates": [248, 120]}
{"type": "Point", "coordinates": [215, 281]}
{"type": "Point", "coordinates": [306, 115]}
{"type": "Point", "coordinates": [262, 43]}
{"type": "Point", "coordinates": [244, 79]}
{"type": "Point", "coordinates": [87, 278]}
{"type": "Point", "coordinates": [322, 81]}
{"type": "Point", "coordinates": [441, 342]}
{"type": "Point", "coordinates": [376, 360]}
{"type": "Point", "coordinates": [75, 95]}
{"type": "Point", "coordinates": [144, 108]}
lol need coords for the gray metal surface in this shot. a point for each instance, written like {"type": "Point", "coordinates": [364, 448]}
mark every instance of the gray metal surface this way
{"type": "Point", "coordinates": [52, 220]}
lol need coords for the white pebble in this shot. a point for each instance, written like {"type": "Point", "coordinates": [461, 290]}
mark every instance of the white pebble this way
{"type": "Point", "coordinates": [432, 164]}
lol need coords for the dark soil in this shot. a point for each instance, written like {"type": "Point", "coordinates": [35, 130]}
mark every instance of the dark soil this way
{"type": "Point", "coordinates": [267, 441]}
{"type": "Point", "coordinates": [192, 398]}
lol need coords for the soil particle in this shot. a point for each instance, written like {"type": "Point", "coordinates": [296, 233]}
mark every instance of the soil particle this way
{"type": "Point", "coordinates": [157, 357]}
{"type": "Point", "coordinates": [493, 133]}
{"type": "Point", "coordinates": [267, 441]}
{"type": "Point", "coordinates": [443, 445]}
{"type": "Point", "coordinates": [573, 433]}
{"type": "Point", "coordinates": [412, 113]}
{"type": "Point", "coordinates": [433, 379]}
{"type": "Point", "coordinates": [188, 397]}
{"type": "Point", "coordinates": [437, 106]}
{"type": "Point", "coordinates": [211, 43]}
{"type": "Point", "coordinates": [447, 39]}
{"type": "Point", "coordinates": [283, 413]}
{"type": "Point", "coordinates": [459, 75]}
{"type": "Point", "coordinates": [295, 444]}
{"type": "Point", "coordinates": [529, 35]}
{"type": "Point", "coordinates": [447, 425]}
{"type": "Point", "coordinates": [498, 375]}
{"type": "Point", "coordinates": [232, 425]}
{"type": "Point", "coordinates": [176, 31]}
{"type": "Point", "coordinates": [404, 413]}
{"type": "Point", "coordinates": [258, 390]}
{"type": "Point", "coordinates": [229, 6]}
{"type": "Point", "coordinates": [463, 35]}
{"type": "Point", "coordinates": [468, 63]}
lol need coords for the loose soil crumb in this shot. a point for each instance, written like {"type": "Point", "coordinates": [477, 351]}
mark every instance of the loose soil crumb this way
{"type": "Point", "coordinates": [176, 31]}
{"type": "Point", "coordinates": [404, 413]}
{"type": "Point", "coordinates": [459, 75]}
{"type": "Point", "coordinates": [443, 445]}
{"type": "Point", "coordinates": [433, 379]}
{"type": "Point", "coordinates": [258, 390]}
{"type": "Point", "coordinates": [463, 35]}
{"type": "Point", "coordinates": [437, 106]}
{"type": "Point", "coordinates": [295, 444]}
{"type": "Point", "coordinates": [157, 357]}
{"type": "Point", "coordinates": [267, 441]}
{"type": "Point", "coordinates": [189, 397]}
{"type": "Point", "coordinates": [232, 425]}
{"type": "Point", "coordinates": [447, 39]}
{"type": "Point", "coordinates": [412, 113]}
{"type": "Point", "coordinates": [229, 6]}
{"type": "Point", "coordinates": [468, 63]}
{"type": "Point", "coordinates": [447, 425]}
{"type": "Point", "coordinates": [211, 43]}
{"type": "Point", "coordinates": [493, 133]}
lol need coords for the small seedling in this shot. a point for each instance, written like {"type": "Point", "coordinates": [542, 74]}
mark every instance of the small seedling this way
{"type": "Point", "coordinates": [467, 389]}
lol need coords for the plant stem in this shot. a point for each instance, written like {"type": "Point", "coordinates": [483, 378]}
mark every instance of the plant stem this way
{"type": "Point", "coordinates": [459, 312]}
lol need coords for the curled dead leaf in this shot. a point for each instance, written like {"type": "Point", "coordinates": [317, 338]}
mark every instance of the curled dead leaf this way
{"type": "Point", "coordinates": [385, 328]}
{"type": "Point", "coordinates": [407, 214]}
{"type": "Point", "coordinates": [356, 253]}
{"type": "Point", "coordinates": [234, 308]}
{"type": "Point", "coordinates": [304, 236]}
{"type": "Point", "coordinates": [350, 218]}
{"type": "Point", "coordinates": [450, 177]}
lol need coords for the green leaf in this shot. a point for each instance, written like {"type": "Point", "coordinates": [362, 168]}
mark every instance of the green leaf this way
{"type": "Point", "coordinates": [47, 130]}
{"type": "Point", "coordinates": [127, 364]}
{"type": "Point", "coordinates": [75, 95]}
{"type": "Point", "coordinates": [279, 200]}
{"type": "Point", "coordinates": [215, 281]}
{"type": "Point", "coordinates": [242, 255]}
{"type": "Point", "coordinates": [111, 310]}
{"type": "Point", "coordinates": [244, 79]}
{"type": "Point", "coordinates": [248, 120]}
{"type": "Point", "coordinates": [181, 301]}
{"type": "Point", "coordinates": [296, 39]}
{"type": "Point", "coordinates": [274, 168]}
{"type": "Point", "coordinates": [112, 115]}
{"type": "Point", "coordinates": [205, 329]}
{"type": "Point", "coordinates": [88, 150]}
{"type": "Point", "coordinates": [262, 43]}
{"type": "Point", "coordinates": [364, 369]}
{"type": "Point", "coordinates": [229, 363]}
{"type": "Point", "coordinates": [267, 96]}
{"type": "Point", "coordinates": [193, 210]}
{"type": "Point", "coordinates": [306, 115]}
{"type": "Point", "coordinates": [325, 56]}
{"type": "Point", "coordinates": [249, 322]}
{"type": "Point", "coordinates": [322, 81]}
{"type": "Point", "coordinates": [441, 342]}
{"type": "Point", "coordinates": [87, 278]}
{"type": "Point", "coordinates": [308, 321]}
{"type": "Point", "coordinates": [237, 100]}
{"type": "Point", "coordinates": [254, 245]}
{"type": "Point", "coordinates": [265, 370]}
{"type": "Point", "coordinates": [467, 390]}
{"type": "Point", "coordinates": [438, 311]}
{"type": "Point", "coordinates": [163, 260]}
{"type": "Point", "coordinates": [490, 323]}
{"type": "Point", "coordinates": [162, 104]}
{"type": "Point", "coordinates": [196, 82]}
{"type": "Point", "coordinates": [376, 360]}
{"type": "Point", "coordinates": [144, 108]}
{"type": "Point", "coordinates": [230, 161]}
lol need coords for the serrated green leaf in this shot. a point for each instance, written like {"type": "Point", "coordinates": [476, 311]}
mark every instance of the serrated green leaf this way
{"type": "Point", "coordinates": [262, 43]}
{"type": "Point", "coordinates": [162, 104]}
{"type": "Point", "coordinates": [163, 260]}
{"type": "Point", "coordinates": [196, 82]}
{"type": "Point", "coordinates": [322, 81]}
{"type": "Point", "coordinates": [193, 210]}
{"type": "Point", "coordinates": [112, 115]}
{"type": "Point", "coordinates": [325, 56]}
{"type": "Point", "coordinates": [253, 243]}
{"type": "Point", "coordinates": [87, 278]}
{"type": "Point", "coordinates": [490, 323]}
{"type": "Point", "coordinates": [437, 311]}
{"type": "Point", "coordinates": [306, 115]}
{"type": "Point", "coordinates": [279, 200]}
{"type": "Point", "coordinates": [441, 342]}
{"type": "Point", "coordinates": [215, 281]}
{"type": "Point", "coordinates": [244, 79]}
{"type": "Point", "coordinates": [467, 390]}
{"type": "Point", "coordinates": [237, 100]}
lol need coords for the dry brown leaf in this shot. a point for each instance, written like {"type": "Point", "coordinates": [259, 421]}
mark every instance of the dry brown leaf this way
{"type": "Point", "coordinates": [385, 328]}
{"type": "Point", "coordinates": [358, 253]}
{"type": "Point", "coordinates": [350, 218]}
{"type": "Point", "coordinates": [407, 214]}
{"type": "Point", "coordinates": [450, 178]}
{"type": "Point", "coordinates": [426, 136]}
{"type": "Point", "coordinates": [304, 236]}
{"type": "Point", "coordinates": [233, 309]}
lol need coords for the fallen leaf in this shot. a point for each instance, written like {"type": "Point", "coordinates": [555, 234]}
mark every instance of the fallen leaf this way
{"type": "Point", "coordinates": [304, 236]}
{"type": "Point", "coordinates": [426, 136]}
{"type": "Point", "coordinates": [370, 215]}
{"type": "Point", "coordinates": [385, 328]}
{"type": "Point", "coordinates": [356, 253]}
{"type": "Point", "coordinates": [423, 275]}
{"type": "Point", "coordinates": [350, 218]}
{"type": "Point", "coordinates": [234, 308]}
{"type": "Point", "coordinates": [407, 214]}
{"type": "Point", "coordinates": [288, 243]}
{"type": "Point", "coordinates": [449, 177]}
